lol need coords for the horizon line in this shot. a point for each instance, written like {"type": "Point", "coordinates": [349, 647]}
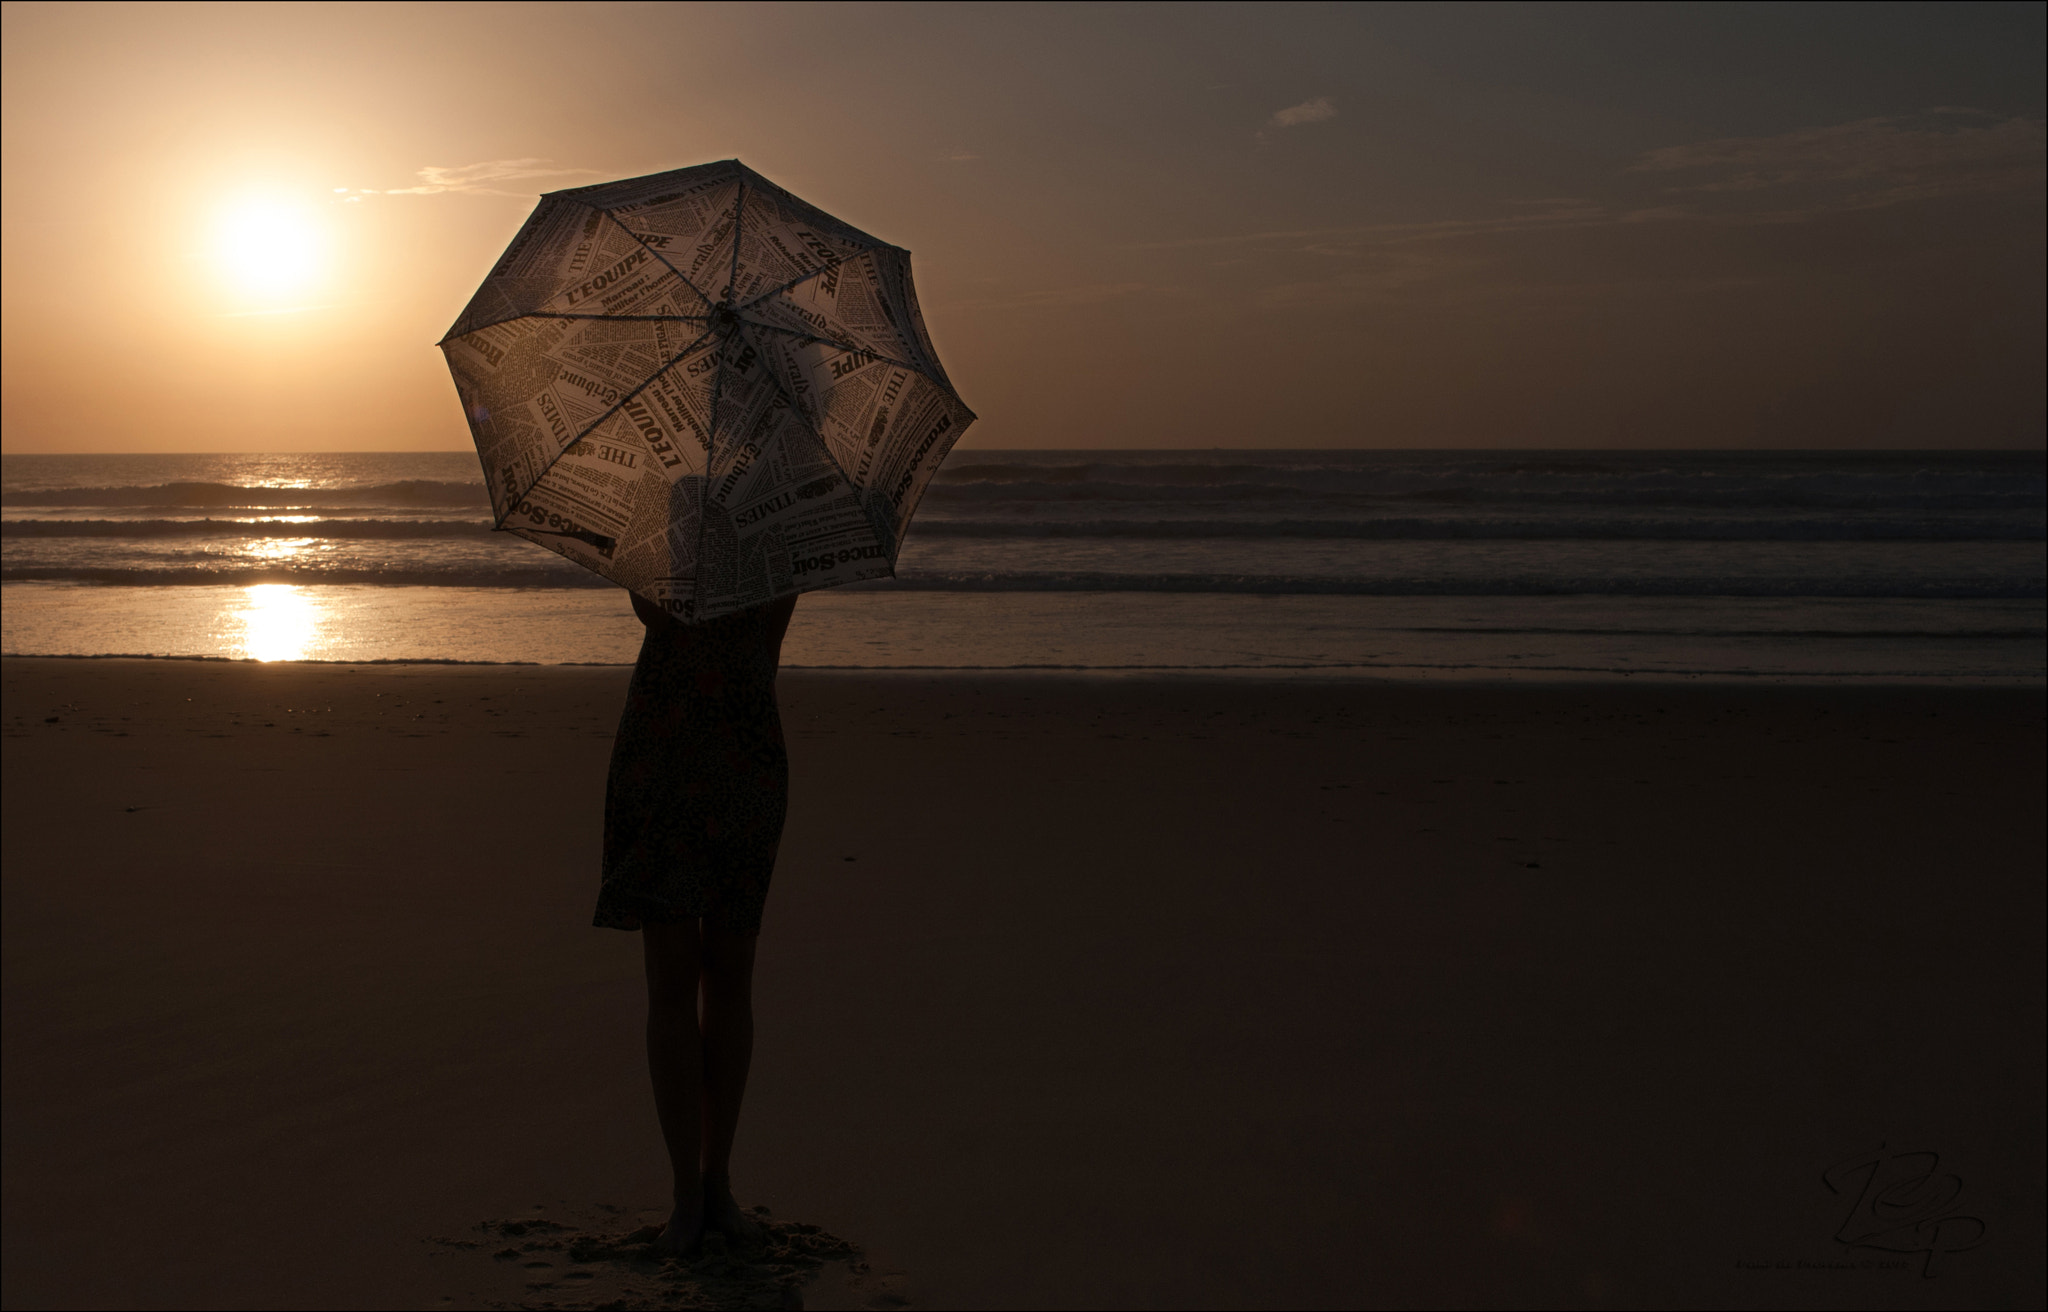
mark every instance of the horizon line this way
{"type": "Point", "coordinates": [2040, 449]}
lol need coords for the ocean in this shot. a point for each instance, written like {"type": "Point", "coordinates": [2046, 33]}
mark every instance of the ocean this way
{"type": "Point", "coordinates": [1793, 566]}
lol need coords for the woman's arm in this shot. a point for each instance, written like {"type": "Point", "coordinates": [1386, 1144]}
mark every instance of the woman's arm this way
{"type": "Point", "coordinates": [660, 621]}
{"type": "Point", "coordinates": [649, 613]}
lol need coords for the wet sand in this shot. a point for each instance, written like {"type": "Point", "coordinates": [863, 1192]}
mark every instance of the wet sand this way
{"type": "Point", "coordinates": [1073, 993]}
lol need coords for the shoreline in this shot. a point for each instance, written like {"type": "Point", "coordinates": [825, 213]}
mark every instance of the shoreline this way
{"type": "Point", "coordinates": [1496, 676]}
{"type": "Point", "coordinates": [1576, 638]}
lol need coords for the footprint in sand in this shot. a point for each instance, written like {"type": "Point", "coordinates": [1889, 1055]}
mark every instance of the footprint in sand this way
{"type": "Point", "coordinates": [569, 1261]}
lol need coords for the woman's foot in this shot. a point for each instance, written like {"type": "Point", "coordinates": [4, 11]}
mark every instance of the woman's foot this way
{"type": "Point", "coordinates": [684, 1233]}
{"type": "Point", "coordinates": [722, 1214]}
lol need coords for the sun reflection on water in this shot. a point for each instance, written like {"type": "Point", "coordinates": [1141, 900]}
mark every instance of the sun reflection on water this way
{"type": "Point", "coordinates": [280, 549]}
{"type": "Point", "coordinates": [279, 622]}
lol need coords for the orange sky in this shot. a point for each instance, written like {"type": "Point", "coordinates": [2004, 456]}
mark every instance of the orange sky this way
{"type": "Point", "coordinates": [1258, 226]}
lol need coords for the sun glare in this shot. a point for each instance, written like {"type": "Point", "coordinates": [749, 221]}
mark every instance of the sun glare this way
{"type": "Point", "coordinates": [279, 623]}
{"type": "Point", "coordinates": [269, 247]}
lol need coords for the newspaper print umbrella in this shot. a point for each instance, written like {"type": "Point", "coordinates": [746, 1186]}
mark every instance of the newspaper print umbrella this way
{"type": "Point", "coordinates": [703, 389]}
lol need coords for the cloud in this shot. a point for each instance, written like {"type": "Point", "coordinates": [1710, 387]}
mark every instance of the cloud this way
{"type": "Point", "coordinates": [1789, 178]}
{"type": "Point", "coordinates": [1675, 214]}
{"type": "Point", "coordinates": [1866, 164]}
{"type": "Point", "coordinates": [476, 179]}
{"type": "Point", "coordinates": [1339, 240]}
{"type": "Point", "coordinates": [1319, 110]}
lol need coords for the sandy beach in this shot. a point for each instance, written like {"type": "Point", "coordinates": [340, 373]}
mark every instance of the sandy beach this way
{"type": "Point", "coordinates": [1073, 993]}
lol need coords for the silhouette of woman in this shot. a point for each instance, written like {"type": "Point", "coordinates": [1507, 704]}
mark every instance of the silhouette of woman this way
{"type": "Point", "coordinates": [693, 813]}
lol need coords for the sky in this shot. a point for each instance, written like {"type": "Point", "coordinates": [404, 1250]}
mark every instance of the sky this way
{"type": "Point", "coordinates": [243, 227]}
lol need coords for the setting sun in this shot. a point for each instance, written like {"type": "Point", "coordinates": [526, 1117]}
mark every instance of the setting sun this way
{"type": "Point", "coordinates": [269, 247]}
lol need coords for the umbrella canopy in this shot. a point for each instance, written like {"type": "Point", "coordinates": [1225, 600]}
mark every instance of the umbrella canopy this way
{"type": "Point", "coordinates": [703, 389]}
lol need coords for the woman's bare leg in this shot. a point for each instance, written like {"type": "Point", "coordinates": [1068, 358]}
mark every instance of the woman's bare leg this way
{"type": "Point", "coordinates": [728, 1030]}
{"type": "Point", "coordinates": [675, 1062]}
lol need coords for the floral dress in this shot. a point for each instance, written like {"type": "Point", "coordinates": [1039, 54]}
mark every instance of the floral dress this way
{"type": "Point", "coordinates": [699, 780]}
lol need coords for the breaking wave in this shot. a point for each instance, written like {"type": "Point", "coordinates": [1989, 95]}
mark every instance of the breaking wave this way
{"type": "Point", "coordinates": [1668, 528]}
{"type": "Point", "coordinates": [549, 574]}
{"type": "Point", "coordinates": [226, 496]}
{"type": "Point", "coordinates": [1968, 527]}
{"type": "Point", "coordinates": [240, 528]}
{"type": "Point", "coordinates": [1878, 481]}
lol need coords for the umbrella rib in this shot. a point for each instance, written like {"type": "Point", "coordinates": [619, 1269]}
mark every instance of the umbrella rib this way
{"type": "Point", "coordinates": [656, 253]}
{"type": "Point", "coordinates": [624, 318]}
{"type": "Point", "coordinates": [658, 256]}
{"type": "Point", "coordinates": [552, 314]}
{"type": "Point", "coordinates": [452, 335]}
{"type": "Point", "coordinates": [739, 215]}
{"type": "Point", "coordinates": [823, 445]}
{"type": "Point", "coordinates": [739, 209]}
{"type": "Point", "coordinates": [616, 407]}
{"type": "Point", "coordinates": [846, 346]}
{"type": "Point", "coordinates": [795, 282]}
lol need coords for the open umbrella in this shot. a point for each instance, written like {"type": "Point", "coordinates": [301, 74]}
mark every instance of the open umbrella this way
{"type": "Point", "coordinates": [703, 389]}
